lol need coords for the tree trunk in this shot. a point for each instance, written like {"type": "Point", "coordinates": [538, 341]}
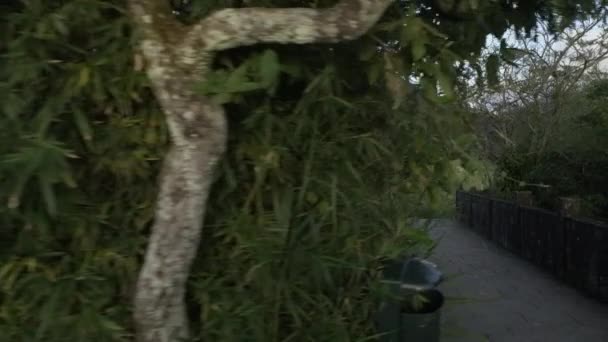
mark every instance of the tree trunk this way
{"type": "Point", "coordinates": [177, 58]}
{"type": "Point", "coordinates": [184, 187]}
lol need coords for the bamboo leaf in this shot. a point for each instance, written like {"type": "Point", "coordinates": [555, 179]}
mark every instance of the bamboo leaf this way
{"type": "Point", "coordinates": [270, 68]}
{"type": "Point", "coordinates": [84, 77]}
{"type": "Point", "coordinates": [48, 194]}
{"type": "Point", "coordinates": [418, 50]}
{"type": "Point", "coordinates": [82, 123]}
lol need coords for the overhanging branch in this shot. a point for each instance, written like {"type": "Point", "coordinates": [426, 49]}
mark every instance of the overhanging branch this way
{"type": "Point", "coordinates": [230, 28]}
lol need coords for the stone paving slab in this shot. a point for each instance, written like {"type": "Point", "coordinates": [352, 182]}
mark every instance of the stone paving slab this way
{"type": "Point", "coordinates": [493, 295]}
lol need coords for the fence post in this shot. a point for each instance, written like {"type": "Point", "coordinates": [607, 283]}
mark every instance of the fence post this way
{"type": "Point", "coordinates": [569, 206]}
{"type": "Point", "coordinates": [524, 198]}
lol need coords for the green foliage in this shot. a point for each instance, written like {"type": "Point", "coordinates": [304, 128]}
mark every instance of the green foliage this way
{"type": "Point", "coordinates": [79, 149]}
{"type": "Point", "coordinates": [320, 182]}
{"type": "Point", "coordinates": [259, 72]}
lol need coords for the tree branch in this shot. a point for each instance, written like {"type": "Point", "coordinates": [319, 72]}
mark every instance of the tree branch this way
{"type": "Point", "coordinates": [230, 28]}
{"type": "Point", "coordinates": [155, 20]}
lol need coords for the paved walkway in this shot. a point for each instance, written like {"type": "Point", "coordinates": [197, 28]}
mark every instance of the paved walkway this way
{"type": "Point", "coordinates": [493, 295]}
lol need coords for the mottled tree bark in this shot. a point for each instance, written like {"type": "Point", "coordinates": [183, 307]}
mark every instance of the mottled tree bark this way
{"type": "Point", "coordinates": [177, 56]}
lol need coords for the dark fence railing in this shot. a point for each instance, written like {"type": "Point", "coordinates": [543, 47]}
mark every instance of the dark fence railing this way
{"type": "Point", "coordinates": [574, 250]}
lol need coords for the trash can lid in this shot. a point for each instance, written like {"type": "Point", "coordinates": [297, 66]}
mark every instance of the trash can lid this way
{"type": "Point", "coordinates": [420, 274]}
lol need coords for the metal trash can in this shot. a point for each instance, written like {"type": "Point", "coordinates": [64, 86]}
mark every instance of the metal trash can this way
{"type": "Point", "coordinates": [411, 311]}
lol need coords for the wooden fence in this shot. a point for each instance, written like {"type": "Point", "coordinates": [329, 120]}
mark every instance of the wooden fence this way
{"type": "Point", "coordinates": [573, 249]}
